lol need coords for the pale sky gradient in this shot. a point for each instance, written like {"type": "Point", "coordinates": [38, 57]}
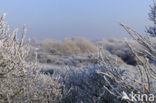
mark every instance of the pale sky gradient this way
{"type": "Point", "coordinates": [93, 19]}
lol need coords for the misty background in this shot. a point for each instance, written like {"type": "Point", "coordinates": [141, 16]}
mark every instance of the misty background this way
{"type": "Point", "coordinates": [92, 19]}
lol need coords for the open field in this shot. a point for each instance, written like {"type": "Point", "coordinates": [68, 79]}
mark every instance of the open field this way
{"type": "Point", "coordinates": [76, 70]}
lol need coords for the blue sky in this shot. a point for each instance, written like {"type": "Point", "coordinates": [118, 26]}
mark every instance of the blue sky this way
{"type": "Point", "coordinates": [93, 19]}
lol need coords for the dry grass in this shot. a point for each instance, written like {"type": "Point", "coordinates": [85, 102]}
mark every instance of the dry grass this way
{"type": "Point", "coordinates": [69, 46]}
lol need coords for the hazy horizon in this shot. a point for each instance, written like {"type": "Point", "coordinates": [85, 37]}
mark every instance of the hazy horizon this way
{"type": "Point", "coordinates": [57, 19]}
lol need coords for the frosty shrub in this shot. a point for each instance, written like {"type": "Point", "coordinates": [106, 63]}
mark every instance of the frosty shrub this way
{"type": "Point", "coordinates": [85, 45]}
{"type": "Point", "coordinates": [48, 45]}
{"type": "Point", "coordinates": [140, 79]}
{"type": "Point", "coordinates": [84, 85]}
{"type": "Point", "coordinates": [69, 46]}
{"type": "Point", "coordinates": [20, 81]}
{"type": "Point", "coordinates": [119, 48]}
{"type": "Point", "coordinates": [81, 83]}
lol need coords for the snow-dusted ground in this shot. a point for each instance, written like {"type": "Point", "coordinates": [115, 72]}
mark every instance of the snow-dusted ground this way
{"type": "Point", "coordinates": [77, 72]}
